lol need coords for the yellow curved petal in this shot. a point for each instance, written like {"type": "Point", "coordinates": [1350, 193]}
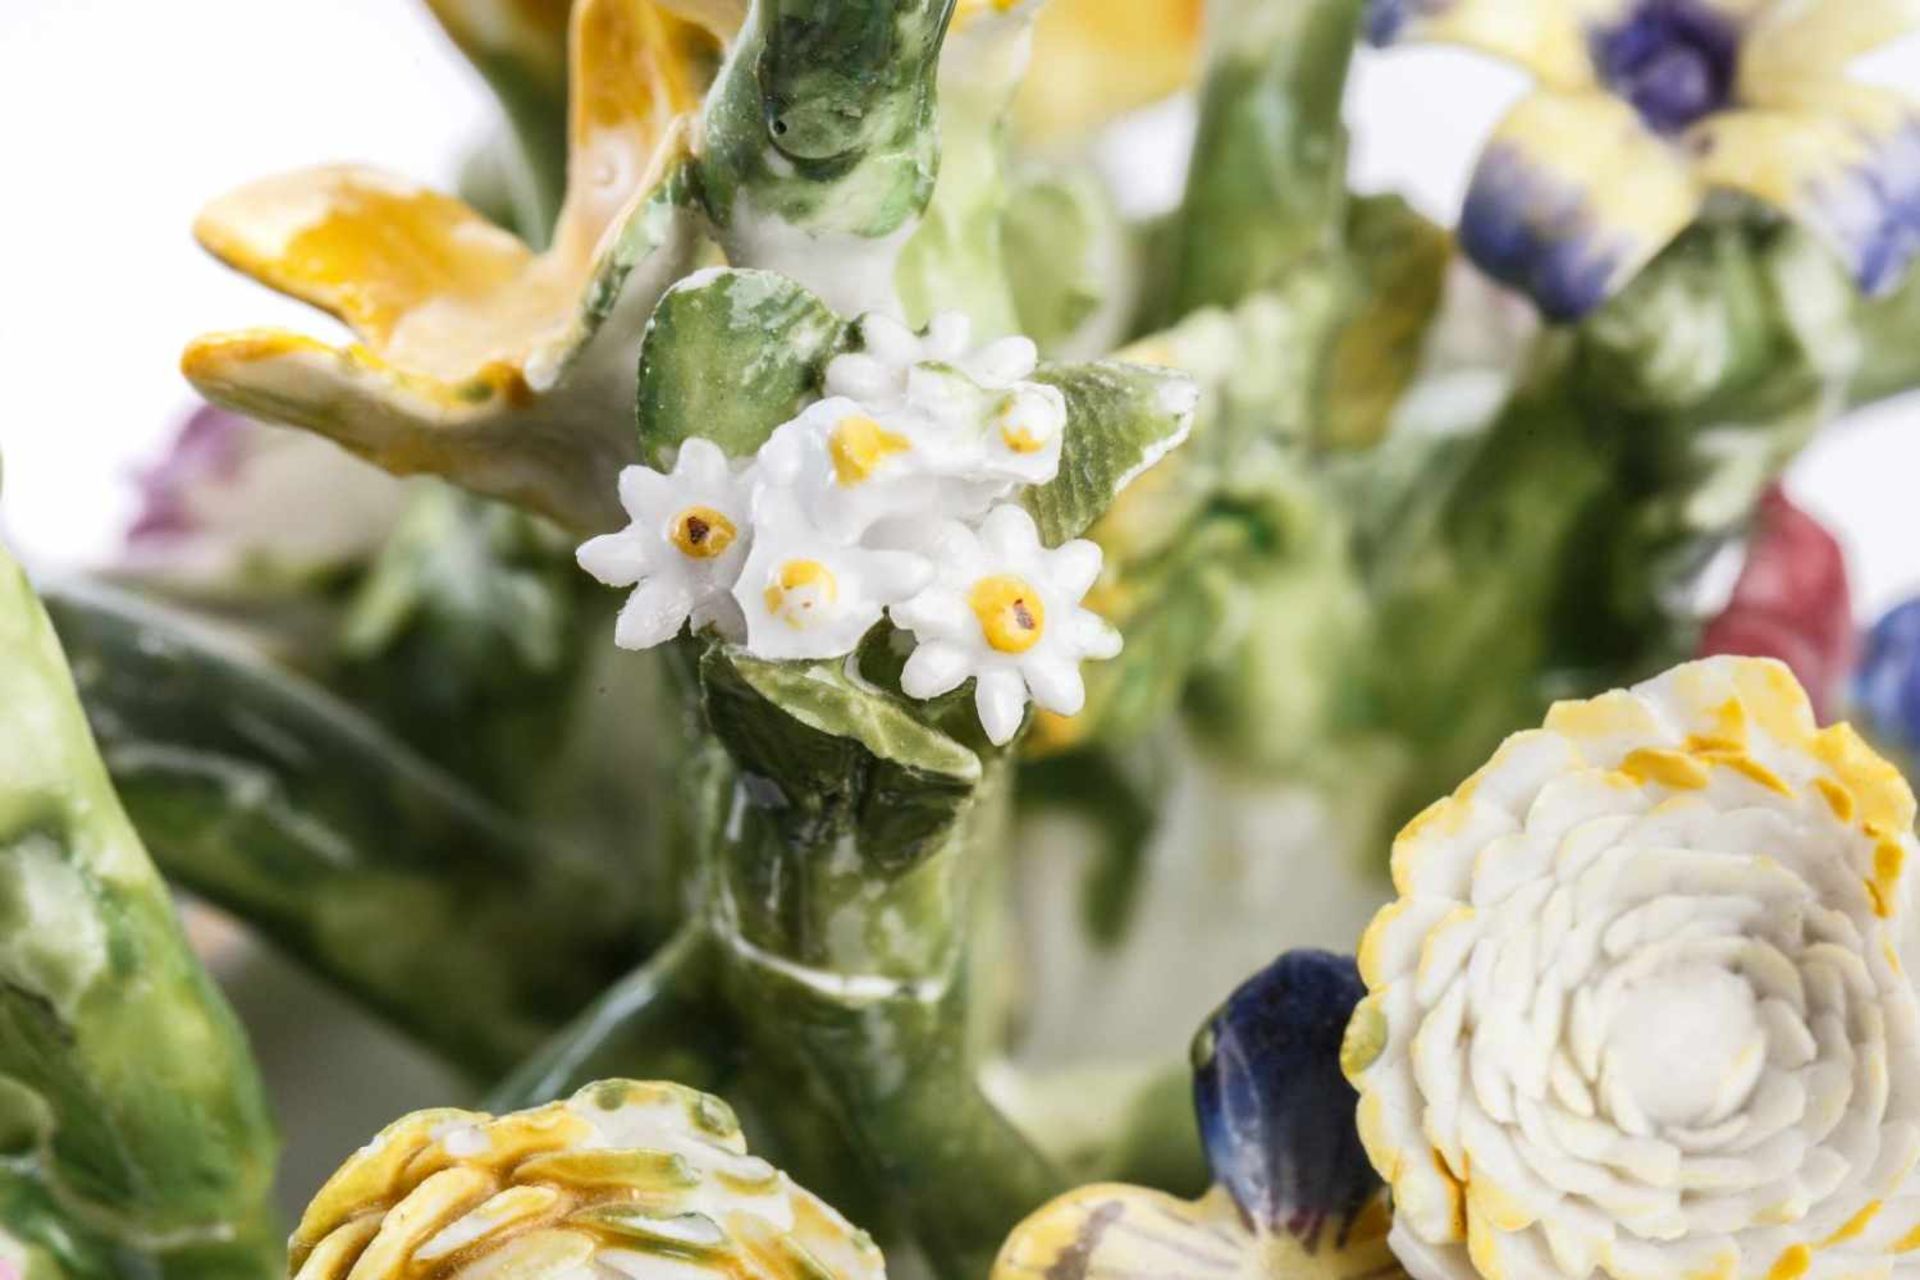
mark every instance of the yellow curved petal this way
{"type": "Point", "coordinates": [488, 431]}
{"type": "Point", "coordinates": [1794, 48]}
{"type": "Point", "coordinates": [369, 248]}
{"type": "Point", "coordinates": [1097, 59]}
{"type": "Point", "coordinates": [1114, 1232]}
{"type": "Point", "coordinates": [1572, 197]}
{"type": "Point", "coordinates": [1549, 38]}
{"type": "Point", "coordinates": [1844, 162]}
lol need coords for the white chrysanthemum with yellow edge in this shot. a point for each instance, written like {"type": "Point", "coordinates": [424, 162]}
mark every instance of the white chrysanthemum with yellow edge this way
{"type": "Point", "coordinates": [1005, 611]}
{"type": "Point", "coordinates": [806, 594]}
{"type": "Point", "coordinates": [684, 548]}
{"type": "Point", "coordinates": [1639, 1010]}
{"type": "Point", "coordinates": [622, 1181]}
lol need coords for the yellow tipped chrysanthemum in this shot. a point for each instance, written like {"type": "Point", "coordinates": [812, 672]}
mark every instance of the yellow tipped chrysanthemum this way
{"type": "Point", "coordinates": [648, 1181]}
{"type": "Point", "coordinates": [1641, 1009]}
{"type": "Point", "coordinates": [1645, 107]}
{"type": "Point", "coordinates": [506, 370]}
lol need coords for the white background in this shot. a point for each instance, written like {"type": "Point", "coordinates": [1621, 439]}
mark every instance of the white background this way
{"type": "Point", "coordinates": [122, 116]}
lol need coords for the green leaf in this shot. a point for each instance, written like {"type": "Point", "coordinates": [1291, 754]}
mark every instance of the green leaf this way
{"type": "Point", "coordinates": [125, 1068]}
{"type": "Point", "coordinates": [1401, 262]}
{"type": "Point", "coordinates": [1066, 253]}
{"type": "Point", "coordinates": [729, 356]}
{"type": "Point", "coordinates": [1121, 419]}
{"type": "Point", "coordinates": [824, 748]}
{"type": "Point", "coordinates": [383, 873]}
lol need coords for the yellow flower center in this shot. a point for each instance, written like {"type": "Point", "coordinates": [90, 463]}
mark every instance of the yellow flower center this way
{"type": "Point", "coordinates": [1010, 612]}
{"type": "Point", "coordinates": [1017, 430]}
{"type": "Point", "coordinates": [858, 446]}
{"type": "Point", "coordinates": [703, 533]}
{"type": "Point", "coordinates": [801, 589]}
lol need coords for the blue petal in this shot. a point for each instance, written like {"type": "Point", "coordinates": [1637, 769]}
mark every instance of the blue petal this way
{"type": "Point", "coordinates": [1528, 232]}
{"type": "Point", "coordinates": [1276, 1113]}
{"type": "Point", "coordinates": [1887, 684]}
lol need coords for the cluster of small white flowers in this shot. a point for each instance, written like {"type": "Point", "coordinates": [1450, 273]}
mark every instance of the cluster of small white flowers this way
{"type": "Point", "coordinates": [892, 495]}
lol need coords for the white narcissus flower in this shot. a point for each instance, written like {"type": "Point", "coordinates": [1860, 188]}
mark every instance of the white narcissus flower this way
{"type": "Point", "coordinates": [1640, 1008]}
{"type": "Point", "coordinates": [684, 548]}
{"type": "Point", "coordinates": [1005, 611]}
{"type": "Point", "coordinates": [807, 594]}
{"type": "Point", "coordinates": [850, 466]}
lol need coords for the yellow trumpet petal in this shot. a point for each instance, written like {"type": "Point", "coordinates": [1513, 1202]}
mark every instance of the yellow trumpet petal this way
{"type": "Point", "coordinates": [1795, 47]}
{"type": "Point", "coordinates": [1844, 162]}
{"type": "Point", "coordinates": [503, 369]}
{"type": "Point", "coordinates": [1549, 38]}
{"type": "Point", "coordinates": [1572, 197]}
{"type": "Point", "coordinates": [1096, 59]}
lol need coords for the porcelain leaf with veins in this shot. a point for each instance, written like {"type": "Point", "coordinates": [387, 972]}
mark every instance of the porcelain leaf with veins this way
{"type": "Point", "coordinates": [1640, 1008]}
{"type": "Point", "coordinates": [622, 1181]}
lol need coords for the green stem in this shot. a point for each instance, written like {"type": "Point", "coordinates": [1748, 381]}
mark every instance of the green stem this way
{"type": "Point", "coordinates": [1268, 180]}
{"type": "Point", "coordinates": [364, 861]}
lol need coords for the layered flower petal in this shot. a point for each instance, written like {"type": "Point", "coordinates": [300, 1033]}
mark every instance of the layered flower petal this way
{"type": "Point", "coordinates": [1571, 198]}
{"type": "Point", "coordinates": [461, 323]}
{"type": "Point", "coordinates": [1640, 1008]}
{"type": "Point", "coordinates": [621, 1180]}
{"type": "Point", "coordinates": [1843, 160]}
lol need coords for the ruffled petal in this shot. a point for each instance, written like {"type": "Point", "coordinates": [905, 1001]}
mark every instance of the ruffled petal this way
{"type": "Point", "coordinates": [1549, 38]}
{"type": "Point", "coordinates": [1572, 197]}
{"type": "Point", "coordinates": [1845, 163]}
{"type": "Point", "coordinates": [1794, 48]}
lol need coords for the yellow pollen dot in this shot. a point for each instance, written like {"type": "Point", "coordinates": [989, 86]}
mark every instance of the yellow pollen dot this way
{"type": "Point", "coordinates": [858, 446]}
{"type": "Point", "coordinates": [800, 589]}
{"type": "Point", "coordinates": [703, 533]}
{"type": "Point", "coordinates": [1016, 430]}
{"type": "Point", "coordinates": [1838, 798]}
{"type": "Point", "coordinates": [1668, 768]}
{"type": "Point", "coordinates": [1010, 612]}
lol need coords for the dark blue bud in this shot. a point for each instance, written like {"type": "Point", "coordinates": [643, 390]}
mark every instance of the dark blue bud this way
{"type": "Point", "coordinates": [1276, 1113]}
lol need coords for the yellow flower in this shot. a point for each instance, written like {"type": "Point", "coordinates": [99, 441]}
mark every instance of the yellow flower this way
{"type": "Point", "coordinates": [1645, 107]}
{"type": "Point", "coordinates": [479, 359]}
{"type": "Point", "coordinates": [622, 1179]}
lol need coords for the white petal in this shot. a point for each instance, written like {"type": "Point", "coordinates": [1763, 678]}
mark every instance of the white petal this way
{"type": "Point", "coordinates": [861, 377]}
{"type": "Point", "coordinates": [935, 612]}
{"type": "Point", "coordinates": [1000, 697]}
{"type": "Point", "coordinates": [617, 559]}
{"type": "Point", "coordinates": [895, 575]}
{"type": "Point", "coordinates": [947, 336]}
{"type": "Point", "coordinates": [701, 461]}
{"type": "Point", "coordinates": [643, 492]}
{"type": "Point", "coordinates": [1075, 567]}
{"type": "Point", "coordinates": [1005, 361]}
{"type": "Point", "coordinates": [1009, 533]}
{"type": "Point", "coordinates": [723, 613]}
{"type": "Point", "coordinates": [1056, 685]}
{"type": "Point", "coordinates": [889, 340]}
{"type": "Point", "coordinates": [1095, 637]}
{"type": "Point", "coordinates": [653, 614]}
{"type": "Point", "coordinates": [934, 669]}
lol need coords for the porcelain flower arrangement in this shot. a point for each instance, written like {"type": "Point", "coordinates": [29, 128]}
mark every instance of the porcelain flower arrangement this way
{"type": "Point", "coordinates": [1032, 618]}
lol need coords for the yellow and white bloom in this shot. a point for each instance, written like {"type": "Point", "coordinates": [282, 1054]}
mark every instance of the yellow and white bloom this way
{"type": "Point", "coordinates": [623, 1181]}
{"type": "Point", "coordinates": [508, 370]}
{"type": "Point", "coordinates": [851, 465]}
{"type": "Point", "coordinates": [1005, 611]}
{"type": "Point", "coordinates": [879, 373]}
{"type": "Point", "coordinates": [807, 594]}
{"type": "Point", "coordinates": [1640, 1008]}
{"type": "Point", "coordinates": [1645, 107]}
{"type": "Point", "coordinates": [682, 551]}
